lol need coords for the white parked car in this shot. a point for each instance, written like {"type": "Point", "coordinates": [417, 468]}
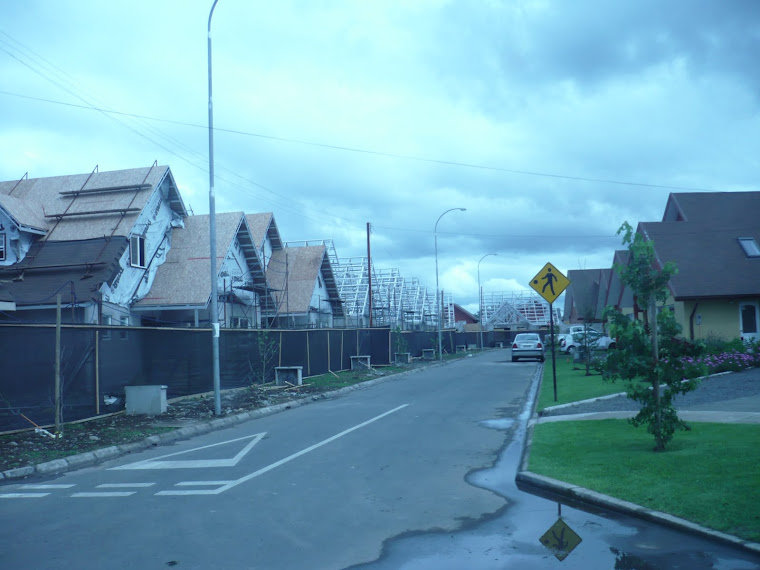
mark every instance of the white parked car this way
{"type": "Point", "coordinates": [527, 345]}
{"type": "Point", "coordinates": [596, 340]}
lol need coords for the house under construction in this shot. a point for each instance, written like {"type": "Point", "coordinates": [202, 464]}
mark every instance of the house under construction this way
{"type": "Point", "coordinates": [516, 309]}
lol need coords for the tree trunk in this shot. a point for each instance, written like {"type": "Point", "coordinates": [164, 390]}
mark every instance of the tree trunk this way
{"type": "Point", "coordinates": [655, 378]}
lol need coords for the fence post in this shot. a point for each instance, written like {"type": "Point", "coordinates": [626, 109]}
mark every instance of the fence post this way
{"type": "Point", "coordinates": [97, 373]}
{"type": "Point", "coordinates": [308, 355]}
{"type": "Point", "coordinates": [58, 365]}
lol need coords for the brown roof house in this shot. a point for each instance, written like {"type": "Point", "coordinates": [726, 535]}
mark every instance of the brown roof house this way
{"type": "Point", "coordinates": [95, 239]}
{"type": "Point", "coordinates": [181, 291]}
{"type": "Point", "coordinates": [714, 240]}
{"type": "Point", "coordinates": [304, 287]}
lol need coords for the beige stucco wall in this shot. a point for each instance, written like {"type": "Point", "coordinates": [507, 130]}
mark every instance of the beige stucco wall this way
{"type": "Point", "coordinates": [720, 318]}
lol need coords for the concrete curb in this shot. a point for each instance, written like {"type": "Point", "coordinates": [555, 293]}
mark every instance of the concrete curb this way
{"type": "Point", "coordinates": [93, 457]}
{"type": "Point", "coordinates": [576, 494]}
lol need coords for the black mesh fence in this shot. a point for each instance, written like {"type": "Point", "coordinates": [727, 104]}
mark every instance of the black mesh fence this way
{"type": "Point", "coordinates": [27, 376]}
{"type": "Point", "coordinates": [98, 362]}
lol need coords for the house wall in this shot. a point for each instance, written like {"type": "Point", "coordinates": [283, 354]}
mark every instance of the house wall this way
{"type": "Point", "coordinates": [17, 243]}
{"type": "Point", "coordinates": [321, 316]}
{"type": "Point", "coordinates": [718, 318]}
{"type": "Point", "coordinates": [234, 274]}
{"type": "Point", "coordinates": [68, 316]}
{"type": "Point", "coordinates": [155, 222]}
{"type": "Point", "coordinates": [266, 251]}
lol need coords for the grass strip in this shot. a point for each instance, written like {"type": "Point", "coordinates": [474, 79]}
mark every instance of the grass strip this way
{"type": "Point", "coordinates": [709, 475]}
{"type": "Point", "coordinates": [572, 384]}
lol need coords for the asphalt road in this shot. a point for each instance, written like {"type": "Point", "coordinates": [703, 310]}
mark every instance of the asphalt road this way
{"type": "Point", "coordinates": [319, 486]}
{"type": "Point", "coordinates": [415, 473]}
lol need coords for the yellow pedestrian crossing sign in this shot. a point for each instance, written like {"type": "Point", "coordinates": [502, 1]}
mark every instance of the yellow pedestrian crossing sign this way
{"type": "Point", "coordinates": [560, 539]}
{"type": "Point", "coordinates": [549, 283]}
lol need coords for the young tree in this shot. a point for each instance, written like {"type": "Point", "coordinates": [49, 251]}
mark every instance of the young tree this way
{"type": "Point", "coordinates": [267, 348]}
{"type": "Point", "coordinates": [648, 355]}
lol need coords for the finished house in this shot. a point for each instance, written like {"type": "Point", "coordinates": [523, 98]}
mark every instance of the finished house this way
{"type": "Point", "coordinates": [714, 240]}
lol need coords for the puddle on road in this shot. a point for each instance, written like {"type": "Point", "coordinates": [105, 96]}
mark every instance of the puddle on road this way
{"type": "Point", "coordinates": [500, 424]}
{"type": "Point", "coordinates": [511, 537]}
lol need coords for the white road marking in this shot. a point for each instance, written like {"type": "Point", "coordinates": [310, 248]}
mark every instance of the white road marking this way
{"type": "Point", "coordinates": [47, 486]}
{"type": "Point", "coordinates": [276, 464]}
{"type": "Point", "coordinates": [23, 495]}
{"type": "Point", "coordinates": [201, 483]}
{"type": "Point", "coordinates": [156, 462]}
{"type": "Point", "coordinates": [103, 494]}
{"type": "Point", "coordinates": [124, 485]}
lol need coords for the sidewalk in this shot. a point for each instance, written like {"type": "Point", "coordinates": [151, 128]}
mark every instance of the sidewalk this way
{"type": "Point", "coordinates": [712, 405]}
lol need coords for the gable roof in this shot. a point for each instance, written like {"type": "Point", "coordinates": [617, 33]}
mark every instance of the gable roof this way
{"type": "Point", "coordinates": [263, 226]}
{"type": "Point", "coordinates": [84, 206]}
{"type": "Point", "coordinates": [292, 273]}
{"type": "Point", "coordinates": [710, 261]}
{"type": "Point", "coordinates": [714, 209]}
{"type": "Point", "coordinates": [25, 215]}
{"type": "Point", "coordinates": [586, 294]}
{"type": "Point", "coordinates": [183, 280]}
{"type": "Point", "coordinates": [38, 278]}
{"type": "Point", "coordinates": [462, 314]}
{"type": "Point", "coordinates": [617, 294]}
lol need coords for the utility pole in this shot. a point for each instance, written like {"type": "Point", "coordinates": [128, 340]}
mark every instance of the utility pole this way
{"type": "Point", "coordinates": [212, 237]}
{"type": "Point", "coordinates": [369, 273]}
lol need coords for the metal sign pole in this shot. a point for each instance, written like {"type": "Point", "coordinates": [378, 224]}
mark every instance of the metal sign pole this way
{"type": "Point", "coordinates": [554, 362]}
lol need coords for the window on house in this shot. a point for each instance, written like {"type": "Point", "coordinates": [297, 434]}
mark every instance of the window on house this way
{"type": "Point", "coordinates": [137, 252]}
{"type": "Point", "coordinates": [749, 319]}
{"type": "Point", "coordinates": [750, 247]}
{"type": "Point", "coordinates": [106, 320]}
{"type": "Point", "coordinates": [123, 321]}
{"type": "Point", "coordinates": [240, 323]}
{"type": "Point", "coordinates": [2, 247]}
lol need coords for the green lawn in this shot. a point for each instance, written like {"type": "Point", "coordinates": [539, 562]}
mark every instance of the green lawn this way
{"type": "Point", "coordinates": [572, 384]}
{"type": "Point", "coordinates": [709, 475]}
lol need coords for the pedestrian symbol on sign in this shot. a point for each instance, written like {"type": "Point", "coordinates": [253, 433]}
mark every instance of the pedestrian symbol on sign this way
{"type": "Point", "coordinates": [550, 279]}
{"type": "Point", "coordinates": [549, 283]}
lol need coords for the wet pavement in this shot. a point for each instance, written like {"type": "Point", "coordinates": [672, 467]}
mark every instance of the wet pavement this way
{"type": "Point", "coordinates": [512, 538]}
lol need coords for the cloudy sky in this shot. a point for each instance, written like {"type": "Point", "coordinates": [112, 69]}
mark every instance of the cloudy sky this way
{"type": "Point", "coordinates": [551, 122]}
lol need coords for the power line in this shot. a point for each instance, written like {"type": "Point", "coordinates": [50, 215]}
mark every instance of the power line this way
{"type": "Point", "coordinates": [372, 152]}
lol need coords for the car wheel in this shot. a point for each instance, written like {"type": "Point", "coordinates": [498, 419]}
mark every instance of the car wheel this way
{"type": "Point", "coordinates": [541, 359]}
{"type": "Point", "coordinates": [514, 359]}
{"type": "Point", "coordinates": [612, 346]}
{"type": "Point", "coordinates": [571, 349]}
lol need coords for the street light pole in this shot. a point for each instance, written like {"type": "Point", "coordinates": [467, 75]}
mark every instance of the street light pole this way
{"type": "Point", "coordinates": [480, 299]}
{"type": "Point", "coordinates": [212, 236]}
{"type": "Point", "coordinates": [438, 298]}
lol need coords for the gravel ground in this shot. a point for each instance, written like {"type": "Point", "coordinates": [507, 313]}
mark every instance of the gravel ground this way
{"type": "Point", "coordinates": [720, 392]}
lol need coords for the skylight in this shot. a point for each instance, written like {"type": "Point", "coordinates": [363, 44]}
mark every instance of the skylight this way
{"type": "Point", "coordinates": [750, 247]}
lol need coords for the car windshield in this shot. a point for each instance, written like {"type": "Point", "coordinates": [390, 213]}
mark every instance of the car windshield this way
{"type": "Point", "coordinates": [526, 338]}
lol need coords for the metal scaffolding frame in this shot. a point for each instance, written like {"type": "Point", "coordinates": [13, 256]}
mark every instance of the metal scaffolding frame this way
{"type": "Point", "coordinates": [515, 308]}
{"type": "Point", "coordinates": [396, 301]}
